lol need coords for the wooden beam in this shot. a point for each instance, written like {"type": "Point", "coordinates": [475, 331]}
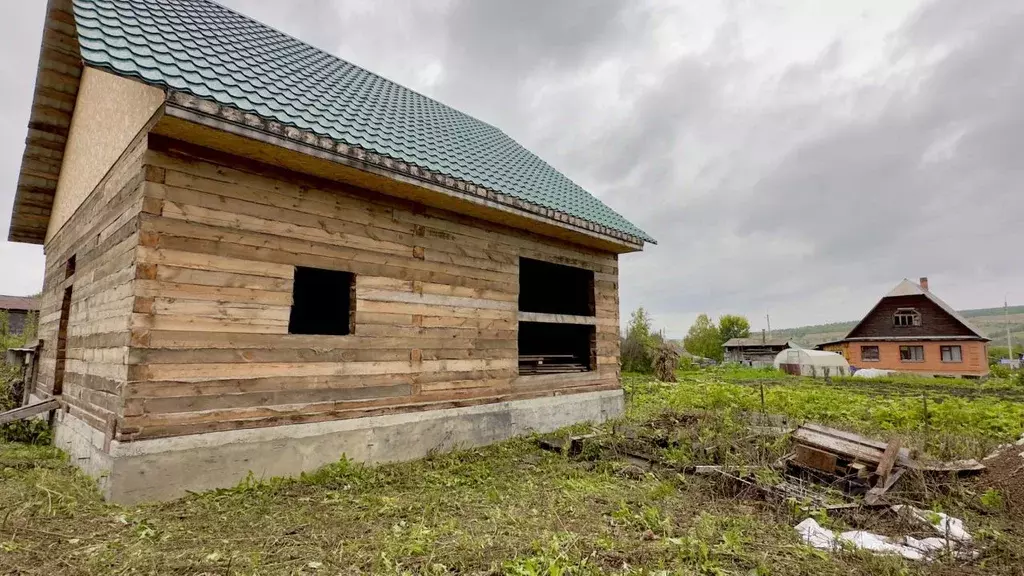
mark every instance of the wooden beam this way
{"type": "Point", "coordinates": [30, 410]}
{"type": "Point", "coordinates": [892, 451]}
{"type": "Point", "coordinates": [557, 318]}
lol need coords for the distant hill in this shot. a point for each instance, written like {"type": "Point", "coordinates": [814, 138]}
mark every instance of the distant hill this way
{"type": "Point", "coordinates": [988, 320]}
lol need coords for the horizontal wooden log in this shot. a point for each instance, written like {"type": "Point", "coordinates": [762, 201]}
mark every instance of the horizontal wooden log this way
{"type": "Point", "coordinates": [288, 191]}
{"type": "Point", "coordinates": [214, 371]}
{"type": "Point", "coordinates": [156, 426]}
{"type": "Point", "coordinates": [435, 300]}
{"type": "Point", "coordinates": [308, 355]}
{"type": "Point", "coordinates": [557, 318]}
{"type": "Point", "coordinates": [193, 403]}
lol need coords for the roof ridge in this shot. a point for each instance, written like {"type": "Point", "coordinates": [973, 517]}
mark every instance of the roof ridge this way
{"type": "Point", "coordinates": [349, 62]}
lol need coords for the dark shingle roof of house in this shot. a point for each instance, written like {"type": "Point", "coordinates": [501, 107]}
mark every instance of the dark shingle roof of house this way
{"type": "Point", "coordinates": [201, 48]}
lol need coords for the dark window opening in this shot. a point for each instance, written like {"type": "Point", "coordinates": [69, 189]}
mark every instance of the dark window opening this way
{"type": "Point", "coordinates": [69, 269]}
{"type": "Point", "coordinates": [952, 354]}
{"type": "Point", "coordinates": [322, 302]}
{"type": "Point", "coordinates": [546, 348]}
{"type": "Point", "coordinates": [912, 353]}
{"type": "Point", "coordinates": [62, 343]}
{"type": "Point", "coordinates": [555, 289]}
{"type": "Point", "coordinates": [869, 353]}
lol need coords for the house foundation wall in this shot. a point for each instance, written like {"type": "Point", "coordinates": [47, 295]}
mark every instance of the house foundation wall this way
{"type": "Point", "coordinates": [167, 468]}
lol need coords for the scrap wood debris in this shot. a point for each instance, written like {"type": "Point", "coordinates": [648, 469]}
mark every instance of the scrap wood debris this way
{"type": "Point", "coordinates": [864, 465]}
{"type": "Point", "coordinates": [823, 459]}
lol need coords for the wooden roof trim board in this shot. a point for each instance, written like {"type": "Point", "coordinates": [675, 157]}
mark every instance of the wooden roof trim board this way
{"type": "Point", "coordinates": [224, 118]}
{"type": "Point", "coordinates": [56, 89]}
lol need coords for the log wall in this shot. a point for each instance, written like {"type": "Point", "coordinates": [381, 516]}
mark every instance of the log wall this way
{"type": "Point", "coordinates": [435, 303]}
{"type": "Point", "coordinates": [102, 236]}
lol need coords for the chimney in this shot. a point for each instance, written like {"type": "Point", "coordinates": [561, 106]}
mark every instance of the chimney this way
{"type": "Point", "coordinates": [924, 283]}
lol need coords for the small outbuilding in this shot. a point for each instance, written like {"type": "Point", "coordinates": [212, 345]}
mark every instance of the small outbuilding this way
{"type": "Point", "coordinates": [18, 309]}
{"type": "Point", "coordinates": [758, 351]}
{"type": "Point", "coordinates": [814, 363]}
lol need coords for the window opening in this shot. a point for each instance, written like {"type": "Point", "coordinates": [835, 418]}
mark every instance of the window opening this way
{"type": "Point", "coordinates": [951, 354]}
{"type": "Point", "coordinates": [554, 347]}
{"type": "Point", "coordinates": [869, 353]}
{"type": "Point", "coordinates": [906, 317]}
{"type": "Point", "coordinates": [62, 343]}
{"type": "Point", "coordinates": [555, 288]}
{"type": "Point", "coordinates": [546, 348]}
{"type": "Point", "coordinates": [322, 302]}
{"type": "Point", "coordinates": [912, 353]}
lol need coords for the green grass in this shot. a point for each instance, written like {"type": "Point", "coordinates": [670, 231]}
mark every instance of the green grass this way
{"type": "Point", "coordinates": [953, 426]}
{"type": "Point", "coordinates": [510, 508]}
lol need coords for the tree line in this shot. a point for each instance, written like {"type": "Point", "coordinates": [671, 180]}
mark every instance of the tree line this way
{"type": "Point", "coordinates": [643, 348]}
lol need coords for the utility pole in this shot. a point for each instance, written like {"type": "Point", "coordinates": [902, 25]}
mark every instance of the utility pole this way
{"type": "Point", "coordinates": [1006, 320]}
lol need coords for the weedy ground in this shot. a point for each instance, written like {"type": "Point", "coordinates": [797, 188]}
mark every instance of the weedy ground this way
{"type": "Point", "coordinates": [513, 508]}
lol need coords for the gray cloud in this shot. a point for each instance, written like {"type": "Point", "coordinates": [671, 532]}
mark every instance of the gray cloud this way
{"type": "Point", "coordinates": [789, 162]}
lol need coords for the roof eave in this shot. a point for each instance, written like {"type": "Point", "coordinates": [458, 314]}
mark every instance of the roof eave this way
{"type": "Point", "coordinates": [58, 74]}
{"type": "Point", "coordinates": [188, 108]}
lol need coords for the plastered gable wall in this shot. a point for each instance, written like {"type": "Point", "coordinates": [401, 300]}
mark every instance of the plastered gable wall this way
{"type": "Point", "coordinates": [109, 113]}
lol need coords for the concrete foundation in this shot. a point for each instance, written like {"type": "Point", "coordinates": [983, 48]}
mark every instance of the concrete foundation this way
{"type": "Point", "coordinates": [168, 468]}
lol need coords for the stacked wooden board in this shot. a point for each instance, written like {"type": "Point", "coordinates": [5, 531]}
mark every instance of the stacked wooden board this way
{"type": "Point", "coordinates": [550, 364]}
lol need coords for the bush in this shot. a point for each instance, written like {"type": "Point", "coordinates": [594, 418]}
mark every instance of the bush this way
{"type": "Point", "coordinates": [1000, 371]}
{"type": "Point", "coordinates": [31, 431]}
{"type": "Point", "coordinates": [636, 355]}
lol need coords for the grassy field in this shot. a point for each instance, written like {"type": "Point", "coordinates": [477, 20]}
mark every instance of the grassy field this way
{"type": "Point", "coordinates": [516, 509]}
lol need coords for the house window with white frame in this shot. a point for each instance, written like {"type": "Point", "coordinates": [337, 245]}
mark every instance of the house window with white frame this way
{"type": "Point", "coordinates": [951, 354]}
{"type": "Point", "coordinates": [906, 317]}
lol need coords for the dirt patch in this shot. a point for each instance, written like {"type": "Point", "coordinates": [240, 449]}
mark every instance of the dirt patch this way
{"type": "Point", "coordinates": [1005, 472]}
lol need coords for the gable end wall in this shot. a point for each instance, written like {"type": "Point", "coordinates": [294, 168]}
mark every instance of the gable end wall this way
{"type": "Point", "coordinates": [934, 320]}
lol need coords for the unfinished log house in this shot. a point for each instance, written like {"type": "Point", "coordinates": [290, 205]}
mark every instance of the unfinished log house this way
{"type": "Point", "coordinates": [260, 257]}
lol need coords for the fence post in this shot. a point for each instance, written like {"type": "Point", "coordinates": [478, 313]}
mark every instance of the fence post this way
{"type": "Point", "coordinates": [924, 398]}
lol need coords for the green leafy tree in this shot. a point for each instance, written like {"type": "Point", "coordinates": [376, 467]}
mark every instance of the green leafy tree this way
{"type": "Point", "coordinates": [638, 344]}
{"type": "Point", "coordinates": [639, 326]}
{"type": "Point", "coordinates": [732, 326]}
{"type": "Point", "coordinates": [704, 339]}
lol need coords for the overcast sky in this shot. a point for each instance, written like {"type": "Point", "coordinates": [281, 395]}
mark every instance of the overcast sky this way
{"type": "Point", "coordinates": [799, 157]}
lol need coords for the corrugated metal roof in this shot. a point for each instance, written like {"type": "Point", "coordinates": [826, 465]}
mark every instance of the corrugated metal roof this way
{"type": "Point", "coordinates": [19, 303]}
{"type": "Point", "coordinates": [755, 341]}
{"type": "Point", "coordinates": [211, 52]}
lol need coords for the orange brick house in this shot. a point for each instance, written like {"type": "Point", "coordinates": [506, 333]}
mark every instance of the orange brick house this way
{"type": "Point", "coordinates": [912, 330]}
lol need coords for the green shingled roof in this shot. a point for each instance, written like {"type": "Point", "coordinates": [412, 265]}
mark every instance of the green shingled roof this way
{"type": "Point", "coordinates": [202, 48]}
